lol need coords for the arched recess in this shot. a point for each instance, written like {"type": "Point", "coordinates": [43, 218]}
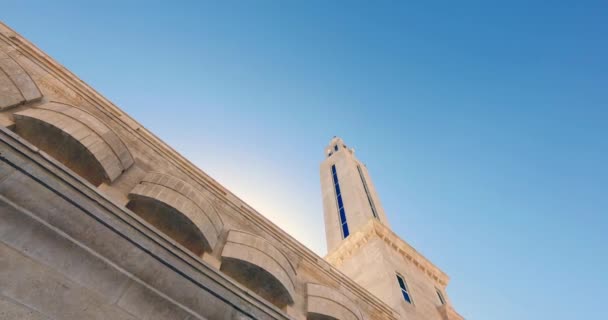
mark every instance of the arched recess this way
{"type": "Point", "coordinates": [16, 85]}
{"type": "Point", "coordinates": [325, 303]}
{"type": "Point", "coordinates": [259, 266]}
{"type": "Point", "coordinates": [75, 138]}
{"type": "Point", "coordinates": [177, 209]}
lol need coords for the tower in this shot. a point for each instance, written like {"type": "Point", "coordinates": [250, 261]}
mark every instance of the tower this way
{"type": "Point", "coordinates": [349, 198]}
{"type": "Point", "coordinates": [362, 245]}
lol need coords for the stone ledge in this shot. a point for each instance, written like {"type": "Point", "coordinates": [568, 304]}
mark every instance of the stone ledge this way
{"type": "Point", "coordinates": [375, 229]}
{"type": "Point", "coordinates": [328, 301]}
{"type": "Point", "coordinates": [257, 251]}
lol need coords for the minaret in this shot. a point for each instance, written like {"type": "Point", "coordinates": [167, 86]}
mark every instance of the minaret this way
{"type": "Point", "coordinates": [361, 244]}
{"type": "Point", "coordinates": [350, 199]}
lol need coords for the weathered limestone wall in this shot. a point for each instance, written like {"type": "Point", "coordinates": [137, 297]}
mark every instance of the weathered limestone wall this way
{"type": "Point", "coordinates": [375, 247]}
{"type": "Point", "coordinates": [372, 254]}
{"type": "Point", "coordinates": [375, 255]}
{"type": "Point", "coordinates": [72, 248]}
{"type": "Point", "coordinates": [69, 253]}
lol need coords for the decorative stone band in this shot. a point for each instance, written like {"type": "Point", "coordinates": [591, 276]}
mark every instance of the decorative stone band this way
{"type": "Point", "coordinates": [105, 146]}
{"type": "Point", "coordinates": [258, 251]}
{"type": "Point", "coordinates": [185, 199]}
{"type": "Point", "coordinates": [376, 229]}
{"type": "Point", "coordinates": [16, 86]}
{"type": "Point", "coordinates": [323, 300]}
{"type": "Point", "coordinates": [448, 313]}
{"type": "Point", "coordinates": [380, 309]}
{"type": "Point", "coordinates": [193, 194]}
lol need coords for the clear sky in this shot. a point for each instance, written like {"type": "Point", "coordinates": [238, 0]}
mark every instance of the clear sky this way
{"type": "Point", "coordinates": [484, 125]}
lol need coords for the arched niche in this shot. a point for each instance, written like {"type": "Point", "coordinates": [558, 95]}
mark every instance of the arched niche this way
{"type": "Point", "coordinates": [75, 138]}
{"type": "Point", "coordinates": [259, 266]}
{"type": "Point", "coordinates": [16, 85]}
{"type": "Point", "coordinates": [177, 209]}
{"type": "Point", "coordinates": [325, 303]}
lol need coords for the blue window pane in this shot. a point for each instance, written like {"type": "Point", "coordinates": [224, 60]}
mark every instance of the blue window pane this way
{"type": "Point", "coordinates": [345, 230]}
{"type": "Point", "coordinates": [342, 216]}
{"type": "Point", "coordinates": [406, 294]}
{"type": "Point", "coordinates": [401, 284]}
{"type": "Point", "coordinates": [340, 204]}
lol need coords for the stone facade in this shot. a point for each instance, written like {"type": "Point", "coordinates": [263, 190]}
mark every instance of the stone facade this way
{"type": "Point", "coordinates": [99, 219]}
{"type": "Point", "coordinates": [362, 245]}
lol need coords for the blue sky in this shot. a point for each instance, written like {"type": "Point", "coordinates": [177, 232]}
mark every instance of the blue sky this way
{"type": "Point", "coordinates": [484, 125]}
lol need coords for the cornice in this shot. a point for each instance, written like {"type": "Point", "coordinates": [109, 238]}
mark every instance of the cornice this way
{"type": "Point", "coordinates": [376, 230]}
{"type": "Point", "coordinates": [130, 125]}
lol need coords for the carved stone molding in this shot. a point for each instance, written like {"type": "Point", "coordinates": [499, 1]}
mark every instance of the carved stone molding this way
{"type": "Point", "coordinates": [374, 229]}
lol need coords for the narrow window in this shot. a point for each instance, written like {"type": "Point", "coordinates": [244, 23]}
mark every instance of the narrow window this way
{"type": "Point", "coordinates": [440, 295]}
{"type": "Point", "coordinates": [404, 289]}
{"type": "Point", "coordinates": [341, 212]}
{"type": "Point", "coordinates": [369, 196]}
{"type": "Point", "coordinates": [336, 147]}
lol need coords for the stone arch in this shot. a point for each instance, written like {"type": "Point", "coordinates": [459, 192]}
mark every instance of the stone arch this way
{"type": "Point", "coordinates": [16, 85]}
{"type": "Point", "coordinates": [325, 303]}
{"type": "Point", "coordinates": [259, 266]}
{"type": "Point", "coordinates": [177, 209]}
{"type": "Point", "coordinates": [77, 139]}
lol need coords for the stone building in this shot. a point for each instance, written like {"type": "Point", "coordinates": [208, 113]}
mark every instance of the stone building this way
{"type": "Point", "coordinates": [99, 219]}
